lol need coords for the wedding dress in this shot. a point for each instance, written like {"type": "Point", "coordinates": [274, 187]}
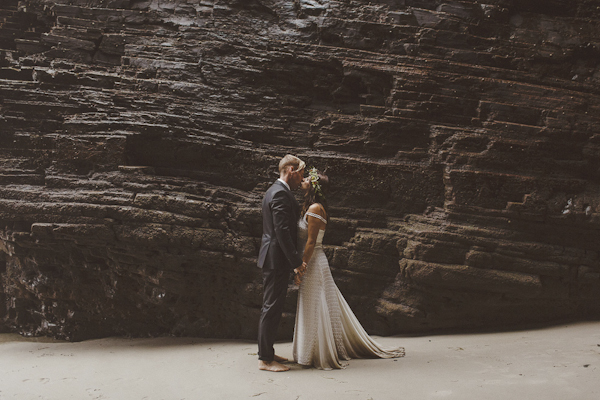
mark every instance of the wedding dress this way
{"type": "Point", "coordinates": [327, 330]}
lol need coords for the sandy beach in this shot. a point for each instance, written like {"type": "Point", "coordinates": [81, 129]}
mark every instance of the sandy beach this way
{"type": "Point", "coordinates": [560, 362]}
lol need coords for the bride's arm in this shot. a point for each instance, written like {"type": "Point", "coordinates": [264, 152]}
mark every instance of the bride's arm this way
{"type": "Point", "coordinates": [314, 225]}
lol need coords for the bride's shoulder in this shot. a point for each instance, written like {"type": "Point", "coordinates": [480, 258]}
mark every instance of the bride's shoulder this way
{"type": "Point", "coordinates": [317, 208]}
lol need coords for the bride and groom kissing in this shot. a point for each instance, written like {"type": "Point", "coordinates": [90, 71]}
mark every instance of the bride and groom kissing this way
{"type": "Point", "coordinates": [326, 330]}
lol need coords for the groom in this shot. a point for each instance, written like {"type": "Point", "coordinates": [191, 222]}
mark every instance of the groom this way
{"type": "Point", "coordinates": [278, 256]}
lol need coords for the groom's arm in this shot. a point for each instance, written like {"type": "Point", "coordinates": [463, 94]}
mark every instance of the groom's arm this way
{"type": "Point", "coordinates": [281, 210]}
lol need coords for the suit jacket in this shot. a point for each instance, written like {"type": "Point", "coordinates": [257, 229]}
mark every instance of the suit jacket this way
{"type": "Point", "coordinates": [280, 212]}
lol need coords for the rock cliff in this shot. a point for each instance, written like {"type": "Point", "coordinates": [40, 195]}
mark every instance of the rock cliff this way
{"type": "Point", "coordinates": [138, 136]}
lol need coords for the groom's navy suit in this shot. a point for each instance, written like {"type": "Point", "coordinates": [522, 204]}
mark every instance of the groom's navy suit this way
{"type": "Point", "coordinates": [278, 256]}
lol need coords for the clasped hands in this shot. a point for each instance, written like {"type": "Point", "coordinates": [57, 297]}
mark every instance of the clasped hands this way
{"type": "Point", "coordinates": [299, 273]}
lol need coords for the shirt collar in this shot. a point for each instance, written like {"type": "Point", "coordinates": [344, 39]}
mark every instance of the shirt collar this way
{"type": "Point", "coordinates": [285, 183]}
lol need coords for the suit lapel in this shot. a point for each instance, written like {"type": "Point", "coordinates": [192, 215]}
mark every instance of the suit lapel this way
{"type": "Point", "coordinates": [295, 205]}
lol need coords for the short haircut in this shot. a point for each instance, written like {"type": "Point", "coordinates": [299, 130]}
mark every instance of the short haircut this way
{"type": "Point", "coordinates": [288, 160]}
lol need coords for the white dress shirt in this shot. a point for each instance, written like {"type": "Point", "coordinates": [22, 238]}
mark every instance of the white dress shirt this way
{"type": "Point", "coordinates": [285, 183]}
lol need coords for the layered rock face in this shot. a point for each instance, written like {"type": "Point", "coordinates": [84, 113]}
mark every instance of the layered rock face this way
{"type": "Point", "coordinates": [137, 139]}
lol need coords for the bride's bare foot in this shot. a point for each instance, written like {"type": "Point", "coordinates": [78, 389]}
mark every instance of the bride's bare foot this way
{"type": "Point", "coordinates": [280, 359]}
{"type": "Point", "coordinates": [272, 366]}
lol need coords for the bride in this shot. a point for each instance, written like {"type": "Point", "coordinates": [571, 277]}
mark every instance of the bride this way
{"type": "Point", "coordinates": [326, 330]}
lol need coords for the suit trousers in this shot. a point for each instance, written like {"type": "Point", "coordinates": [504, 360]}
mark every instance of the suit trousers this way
{"type": "Point", "coordinates": [275, 284]}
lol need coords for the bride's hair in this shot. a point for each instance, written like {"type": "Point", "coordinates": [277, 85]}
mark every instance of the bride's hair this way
{"type": "Point", "coordinates": [317, 192]}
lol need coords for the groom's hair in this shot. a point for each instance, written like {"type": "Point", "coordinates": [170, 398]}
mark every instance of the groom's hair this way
{"type": "Point", "coordinates": [288, 160]}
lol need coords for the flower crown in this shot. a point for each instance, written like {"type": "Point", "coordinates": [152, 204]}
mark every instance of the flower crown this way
{"type": "Point", "coordinates": [313, 174]}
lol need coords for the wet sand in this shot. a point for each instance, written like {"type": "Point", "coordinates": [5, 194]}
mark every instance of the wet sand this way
{"type": "Point", "coordinates": [556, 363]}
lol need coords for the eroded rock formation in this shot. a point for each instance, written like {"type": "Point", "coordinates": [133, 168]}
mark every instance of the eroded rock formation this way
{"type": "Point", "coordinates": [137, 139]}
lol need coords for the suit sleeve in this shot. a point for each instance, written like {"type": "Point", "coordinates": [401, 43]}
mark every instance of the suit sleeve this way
{"type": "Point", "coordinates": [281, 210]}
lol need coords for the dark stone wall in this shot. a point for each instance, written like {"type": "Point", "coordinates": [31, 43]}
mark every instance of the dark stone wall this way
{"type": "Point", "coordinates": [137, 139]}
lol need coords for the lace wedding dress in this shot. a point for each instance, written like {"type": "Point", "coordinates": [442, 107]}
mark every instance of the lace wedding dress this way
{"type": "Point", "coordinates": [326, 330]}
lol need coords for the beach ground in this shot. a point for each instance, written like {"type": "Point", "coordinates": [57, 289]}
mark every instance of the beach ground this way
{"type": "Point", "coordinates": [554, 363]}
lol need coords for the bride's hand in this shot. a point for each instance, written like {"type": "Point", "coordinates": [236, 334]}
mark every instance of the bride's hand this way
{"type": "Point", "coordinates": [300, 271]}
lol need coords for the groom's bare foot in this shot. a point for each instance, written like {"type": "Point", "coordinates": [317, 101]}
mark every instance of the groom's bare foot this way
{"type": "Point", "coordinates": [272, 366]}
{"type": "Point", "coordinates": [280, 359]}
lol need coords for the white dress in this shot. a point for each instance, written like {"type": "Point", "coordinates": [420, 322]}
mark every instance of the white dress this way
{"type": "Point", "coordinates": [327, 330]}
